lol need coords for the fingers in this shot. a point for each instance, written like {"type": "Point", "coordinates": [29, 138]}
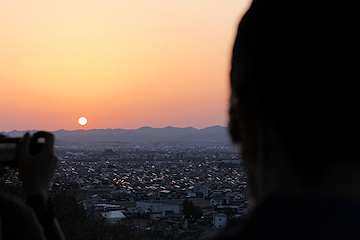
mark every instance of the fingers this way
{"type": "Point", "coordinates": [28, 149]}
{"type": "Point", "coordinates": [24, 145]}
{"type": "Point", "coordinates": [49, 141]}
{"type": "Point", "coordinates": [36, 169]}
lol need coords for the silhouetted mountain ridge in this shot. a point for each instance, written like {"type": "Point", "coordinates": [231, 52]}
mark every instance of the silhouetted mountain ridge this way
{"type": "Point", "coordinates": [143, 134]}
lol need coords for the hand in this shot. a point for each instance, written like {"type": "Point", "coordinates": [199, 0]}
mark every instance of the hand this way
{"type": "Point", "coordinates": [36, 171]}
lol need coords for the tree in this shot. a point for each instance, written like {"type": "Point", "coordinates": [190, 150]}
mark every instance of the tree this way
{"type": "Point", "coordinates": [191, 211]}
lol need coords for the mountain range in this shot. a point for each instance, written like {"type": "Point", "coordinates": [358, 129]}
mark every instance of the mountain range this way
{"type": "Point", "coordinates": [141, 135]}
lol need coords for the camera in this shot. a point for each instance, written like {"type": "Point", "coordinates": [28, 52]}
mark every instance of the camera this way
{"type": "Point", "coordinates": [9, 150]}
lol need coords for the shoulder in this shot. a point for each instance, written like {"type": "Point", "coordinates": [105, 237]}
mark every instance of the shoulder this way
{"type": "Point", "coordinates": [18, 220]}
{"type": "Point", "coordinates": [10, 206]}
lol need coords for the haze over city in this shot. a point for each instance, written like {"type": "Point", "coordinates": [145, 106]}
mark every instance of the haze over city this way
{"type": "Point", "coordinates": [122, 64]}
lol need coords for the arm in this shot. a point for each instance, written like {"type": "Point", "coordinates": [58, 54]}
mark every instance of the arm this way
{"type": "Point", "coordinates": [36, 172]}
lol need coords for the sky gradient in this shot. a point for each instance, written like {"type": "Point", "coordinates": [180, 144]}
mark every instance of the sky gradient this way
{"type": "Point", "coordinates": [121, 63]}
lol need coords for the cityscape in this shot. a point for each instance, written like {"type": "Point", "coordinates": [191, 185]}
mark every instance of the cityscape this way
{"type": "Point", "coordinates": [144, 185]}
{"type": "Point", "coordinates": [130, 178]}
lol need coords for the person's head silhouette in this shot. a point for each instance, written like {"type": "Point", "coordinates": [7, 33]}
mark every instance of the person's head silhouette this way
{"type": "Point", "coordinates": [295, 98]}
{"type": "Point", "coordinates": [294, 111]}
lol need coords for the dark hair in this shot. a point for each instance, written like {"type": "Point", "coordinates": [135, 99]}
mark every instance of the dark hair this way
{"type": "Point", "coordinates": [294, 66]}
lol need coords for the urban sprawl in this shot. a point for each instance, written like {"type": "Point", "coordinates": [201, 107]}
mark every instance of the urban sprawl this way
{"type": "Point", "coordinates": [145, 185]}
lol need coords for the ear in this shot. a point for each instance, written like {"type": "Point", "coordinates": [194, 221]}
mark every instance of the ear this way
{"type": "Point", "coordinates": [243, 131]}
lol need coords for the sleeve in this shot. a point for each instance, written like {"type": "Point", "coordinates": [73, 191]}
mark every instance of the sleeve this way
{"type": "Point", "coordinates": [18, 221]}
{"type": "Point", "coordinates": [42, 207]}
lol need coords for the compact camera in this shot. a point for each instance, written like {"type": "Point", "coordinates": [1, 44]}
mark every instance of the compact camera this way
{"type": "Point", "coordinates": [9, 150]}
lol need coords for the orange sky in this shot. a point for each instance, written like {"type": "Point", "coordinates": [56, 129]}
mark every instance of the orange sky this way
{"type": "Point", "coordinates": [122, 64]}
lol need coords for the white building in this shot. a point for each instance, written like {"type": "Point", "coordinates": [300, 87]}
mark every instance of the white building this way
{"type": "Point", "coordinates": [191, 195]}
{"type": "Point", "coordinates": [159, 209]}
{"type": "Point", "coordinates": [216, 201]}
{"type": "Point", "coordinates": [113, 216]}
{"type": "Point", "coordinates": [205, 191]}
{"type": "Point", "coordinates": [219, 220]}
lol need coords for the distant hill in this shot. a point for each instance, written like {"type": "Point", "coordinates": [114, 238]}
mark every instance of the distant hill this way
{"type": "Point", "coordinates": [144, 134]}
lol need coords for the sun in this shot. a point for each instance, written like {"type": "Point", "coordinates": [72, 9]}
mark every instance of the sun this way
{"type": "Point", "coordinates": [82, 121]}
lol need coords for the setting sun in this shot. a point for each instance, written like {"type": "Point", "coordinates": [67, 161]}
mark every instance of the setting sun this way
{"type": "Point", "coordinates": [82, 121]}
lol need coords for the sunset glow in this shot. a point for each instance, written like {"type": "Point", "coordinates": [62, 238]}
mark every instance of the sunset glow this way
{"type": "Point", "coordinates": [82, 121]}
{"type": "Point", "coordinates": [125, 64]}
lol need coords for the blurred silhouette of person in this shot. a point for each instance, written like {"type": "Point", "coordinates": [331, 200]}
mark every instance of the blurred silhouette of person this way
{"type": "Point", "coordinates": [294, 111]}
{"type": "Point", "coordinates": [35, 219]}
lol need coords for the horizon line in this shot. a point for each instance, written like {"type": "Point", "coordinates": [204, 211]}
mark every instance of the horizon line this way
{"type": "Point", "coordinates": [33, 130]}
